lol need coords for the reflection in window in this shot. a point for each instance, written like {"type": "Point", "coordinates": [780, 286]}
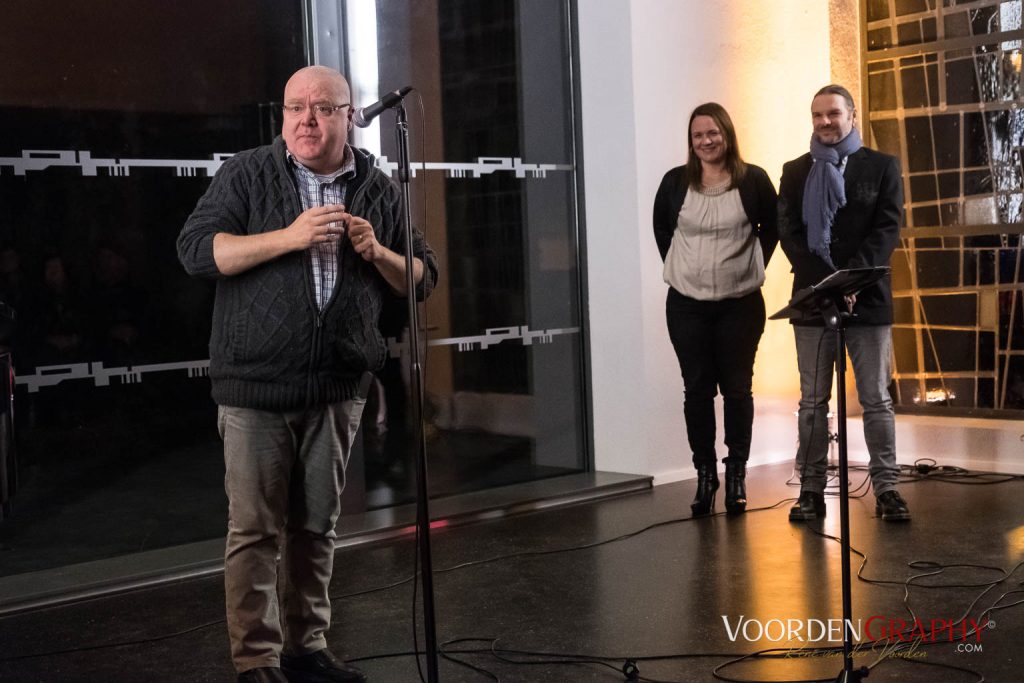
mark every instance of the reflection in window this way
{"type": "Point", "coordinates": [505, 404]}
{"type": "Point", "coordinates": [117, 441]}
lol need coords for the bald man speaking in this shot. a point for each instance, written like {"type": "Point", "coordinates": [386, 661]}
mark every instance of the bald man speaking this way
{"type": "Point", "coordinates": [303, 238]}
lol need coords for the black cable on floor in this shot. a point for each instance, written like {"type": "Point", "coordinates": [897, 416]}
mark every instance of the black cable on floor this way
{"type": "Point", "coordinates": [121, 643]}
{"type": "Point", "coordinates": [573, 658]}
{"type": "Point", "coordinates": [448, 654]}
{"type": "Point", "coordinates": [395, 584]}
{"type": "Point", "coordinates": [576, 658]}
{"type": "Point", "coordinates": [927, 469]}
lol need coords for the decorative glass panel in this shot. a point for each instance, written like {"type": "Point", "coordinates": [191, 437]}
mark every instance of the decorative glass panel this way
{"type": "Point", "coordinates": [959, 136]}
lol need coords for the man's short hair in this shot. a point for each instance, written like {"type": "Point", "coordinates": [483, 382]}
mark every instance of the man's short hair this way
{"type": "Point", "coordinates": [836, 89]}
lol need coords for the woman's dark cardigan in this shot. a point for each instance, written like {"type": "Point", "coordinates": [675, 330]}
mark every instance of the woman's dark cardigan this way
{"type": "Point", "coordinates": [757, 194]}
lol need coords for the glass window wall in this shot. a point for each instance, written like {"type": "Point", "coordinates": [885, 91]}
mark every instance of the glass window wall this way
{"type": "Point", "coordinates": [110, 140]}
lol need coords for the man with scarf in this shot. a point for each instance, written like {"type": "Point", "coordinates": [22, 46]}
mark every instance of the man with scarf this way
{"type": "Point", "coordinates": [840, 207]}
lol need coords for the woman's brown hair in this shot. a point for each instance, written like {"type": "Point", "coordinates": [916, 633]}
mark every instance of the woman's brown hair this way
{"type": "Point", "coordinates": [733, 161]}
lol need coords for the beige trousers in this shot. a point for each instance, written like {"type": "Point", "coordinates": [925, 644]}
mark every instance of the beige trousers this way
{"type": "Point", "coordinates": [284, 476]}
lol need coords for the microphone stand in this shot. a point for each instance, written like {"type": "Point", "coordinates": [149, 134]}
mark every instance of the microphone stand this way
{"type": "Point", "coordinates": [416, 387]}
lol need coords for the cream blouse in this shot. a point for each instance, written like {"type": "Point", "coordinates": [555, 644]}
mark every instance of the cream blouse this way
{"type": "Point", "coordinates": [714, 252]}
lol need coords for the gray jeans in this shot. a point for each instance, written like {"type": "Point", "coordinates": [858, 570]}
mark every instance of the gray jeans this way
{"type": "Point", "coordinates": [870, 350]}
{"type": "Point", "coordinates": [284, 476]}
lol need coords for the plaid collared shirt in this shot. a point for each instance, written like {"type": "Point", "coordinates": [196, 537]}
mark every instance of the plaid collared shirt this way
{"type": "Point", "coordinates": [320, 190]}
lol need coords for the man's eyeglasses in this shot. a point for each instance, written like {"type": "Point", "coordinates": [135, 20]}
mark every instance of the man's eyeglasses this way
{"type": "Point", "coordinates": [321, 111]}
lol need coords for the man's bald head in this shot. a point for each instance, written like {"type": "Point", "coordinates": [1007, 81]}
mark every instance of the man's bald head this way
{"type": "Point", "coordinates": [317, 140]}
{"type": "Point", "coordinates": [324, 74]}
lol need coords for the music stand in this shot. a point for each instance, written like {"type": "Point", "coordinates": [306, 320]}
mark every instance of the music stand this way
{"type": "Point", "coordinates": [826, 299]}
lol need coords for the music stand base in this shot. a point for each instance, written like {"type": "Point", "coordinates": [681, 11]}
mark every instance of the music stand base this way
{"type": "Point", "coordinates": [852, 676]}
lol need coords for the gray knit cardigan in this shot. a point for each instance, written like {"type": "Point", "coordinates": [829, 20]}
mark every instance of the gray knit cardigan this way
{"type": "Point", "coordinates": [270, 347]}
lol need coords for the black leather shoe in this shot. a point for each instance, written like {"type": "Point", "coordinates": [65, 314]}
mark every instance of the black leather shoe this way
{"type": "Point", "coordinates": [735, 487]}
{"type": "Point", "coordinates": [891, 507]}
{"type": "Point", "coordinates": [264, 674]}
{"type": "Point", "coordinates": [320, 667]}
{"type": "Point", "coordinates": [809, 506]}
{"type": "Point", "coordinates": [707, 483]}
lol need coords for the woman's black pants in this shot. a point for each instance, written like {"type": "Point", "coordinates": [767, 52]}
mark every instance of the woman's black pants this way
{"type": "Point", "coordinates": [715, 342]}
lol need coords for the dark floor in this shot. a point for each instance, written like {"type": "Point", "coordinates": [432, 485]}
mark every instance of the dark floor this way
{"type": "Point", "coordinates": [662, 592]}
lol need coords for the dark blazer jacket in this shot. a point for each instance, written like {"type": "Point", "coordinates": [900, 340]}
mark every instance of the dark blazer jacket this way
{"type": "Point", "coordinates": [757, 195]}
{"type": "Point", "coordinates": [865, 232]}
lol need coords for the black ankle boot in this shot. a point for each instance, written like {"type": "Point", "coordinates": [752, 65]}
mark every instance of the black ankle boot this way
{"type": "Point", "coordinates": [809, 507]}
{"type": "Point", "coordinates": [735, 487]}
{"type": "Point", "coordinates": [707, 483]}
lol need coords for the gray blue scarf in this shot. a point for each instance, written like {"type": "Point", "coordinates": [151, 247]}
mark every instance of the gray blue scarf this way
{"type": "Point", "coordinates": [824, 192]}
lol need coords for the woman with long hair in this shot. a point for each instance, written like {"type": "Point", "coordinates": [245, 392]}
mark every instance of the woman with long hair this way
{"type": "Point", "coordinates": [715, 225]}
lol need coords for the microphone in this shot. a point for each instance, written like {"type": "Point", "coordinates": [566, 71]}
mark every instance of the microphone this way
{"type": "Point", "coordinates": [365, 115]}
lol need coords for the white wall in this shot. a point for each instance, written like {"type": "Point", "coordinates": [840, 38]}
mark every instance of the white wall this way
{"type": "Point", "coordinates": [644, 66]}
